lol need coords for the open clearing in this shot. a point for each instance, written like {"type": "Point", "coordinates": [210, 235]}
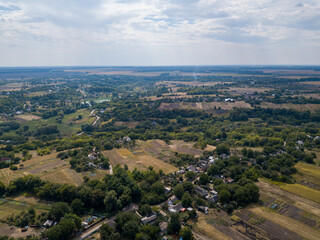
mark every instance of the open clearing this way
{"type": "Point", "coordinates": [70, 123]}
{"type": "Point", "coordinates": [154, 153]}
{"type": "Point", "coordinates": [246, 90]}
{"type": "Point", "coordinates": [273, 191]}
{"type": "Point", "coordinates": [298, 107]}
{"type": "Point", "coordinates": [11, 87]}
{"type": "Point", "coordinates": [6, 230]}
{"type": "Point", "coordinates": [50, 168]}
{"type": "Point", "coordinates": [9, 207]}
{"type": "Point", "coordinates": [142, 161]}
{"type": "Point", "coordinates": [204, 105]}
{"type": "Point", "coordinates": [27, 117]}
{"type": "Point", "coordinates": [132, 124]}
{"type": "Point", "coordinates": [296, 227]}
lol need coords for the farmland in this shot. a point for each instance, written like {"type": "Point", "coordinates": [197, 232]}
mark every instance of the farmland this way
{"type": "Point", "coordinates": [50, 168]}
{"type": "Point", "coordinates": [70, 123]}
{"type": "Point", "coordinates": [204, 106]}
{"type": "Point", "coordinates": [244, 142]}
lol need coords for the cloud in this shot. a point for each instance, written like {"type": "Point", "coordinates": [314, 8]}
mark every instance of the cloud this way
{"type": "Point", "coordinates": [142, 27]}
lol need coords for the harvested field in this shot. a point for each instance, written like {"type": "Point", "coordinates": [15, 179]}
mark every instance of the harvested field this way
{"type": "Point", "coordinates": [49, 168]}
{"type": "Point", "coordinates": [204, 106]}
{"type": "Point", "coordinates": [6, 230]}
{"type": "Point", "coordinates": [186, 147]}
{"type": "Point", "coordinates": [294, 229]}
{"type": "Point", "coordinates": [290, 211]}
{"type": "Point", "coordinates": [141, 160]}
{"type": "Point", "coordinates": [203, 227]}
{"type": "Point", "coordinates": [246, 90]}
{"type": "Point", "coordinates": [27, 117]}
{"type": "Point", "coordinates": [11, 87]}
{"type": "Point", "coordinates": [316, 83]}
{"type": "Point", "coordinates": [271, 228]}
{"type": "Point", "coordinates": [187, 83]}
{"type": "Point", "coordinates": [126, 124]}
{"type": "Point", "coordinates": [153, 152]}
{"type": "Point", "coordinates": [298, 107]}
{"type": "Point", "coordinates": [273, 191]}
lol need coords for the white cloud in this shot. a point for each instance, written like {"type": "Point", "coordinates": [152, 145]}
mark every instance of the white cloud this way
{"type": "Point", "coordinates": [110, 32]}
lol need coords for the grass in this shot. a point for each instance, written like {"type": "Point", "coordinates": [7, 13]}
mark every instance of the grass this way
{"type": "Point", "coordinates": [302, 191]}
{"type": "Point", "coordinates": [140, 157]}
{"type": "Point", "coordinates": [70, 123]}
{"type": "Point", "coordinates": [50, 168]}
{"type": "Point", "coordinates": [308, 169]}
{"type": "Point", "coordinates": [27, 117]}
{"type": "Point", "coordinates": [11, 206]}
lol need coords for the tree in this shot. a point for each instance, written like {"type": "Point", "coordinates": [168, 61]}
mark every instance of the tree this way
{"type": "Point", "coordinates": [58, 210]}
{"type": "Point", "coordinates": [77, 206]}
{"type": "Point", "coordinates": [111, 202]}
{"type": "Point", "coordinates": [158, 188]}
{"type": "Point", "coordinates": [190, 175]}
{"type": "Point", "coordinates": [130, 229]}
{"type": "Point", "coordinates": [186, 233]}
{"type": "Point", "coordinates": [223, 148]}
{"type": "Point", "coordinates": [2, 189]}
{"type": "Point", "coordinates": [224, 196]}
{"type": "Point", "coordinates": [174, 225]}
{"type": "Point", "coordinates": [178, 191]}
{"type": "Point", "coordinates": [204, 179]}
{"type": "Point", "coordinates": [186, 200]}
{"type": "Point", "coordinates": [145, 210]}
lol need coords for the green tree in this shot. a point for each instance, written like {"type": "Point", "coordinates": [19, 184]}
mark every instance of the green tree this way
{"type": "Point", "coordinates": [77, 206]}
{"type": "Point", "coordinates": [174, 225]}
{"type": "Point", "coordinates": [224, 196]}
{"type": "Point", "coordinates": [111, 202]}
{"type": "Point", "coordinates": [178, 190]}
{"type": "Point", "coordinates": [186, 233]}
{"type": "Point", "coordinates": [186, 200]}
{"type": "Point", "coordinates": [58, 210]}
{"type": "Point", "coordinates": [2, 189]}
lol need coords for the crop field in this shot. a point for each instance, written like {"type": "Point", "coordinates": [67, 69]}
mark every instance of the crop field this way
{"type": "Point", "coordinates": [141, 161]}
{"type": "Point", "coordinates": [131, 124]}
{"type": "Point", "coordinates": [287, 226]}
{"type": "Point", "coordinates": [50, 168]}
{"type": "Point", "coordinates": [187, 83]}
{"type": "Point", "coordinates": [298, 107]}
{"type": "Point", "coordinates": [8, 206]}
{"type": "Point", "coordinates": [247, 90]}
{"type": "Point", "coordinates": [302, 191]}
{"type": "Point", "coordinates": [27, 117]}
{"type": "Point", "coordinates": [204, 106]}
{"type": "Point", "coordinates": [70, 123]}
{"type": "Point", "coordinates": [308, 175]}
{"type": "Point", "coordinates": [11, 87]}
{"type": "Point", "coordinates": [154, 153]}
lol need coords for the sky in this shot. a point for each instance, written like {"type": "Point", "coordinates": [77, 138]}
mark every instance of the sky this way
{"type": "Point", "coordinates": [159, 32]}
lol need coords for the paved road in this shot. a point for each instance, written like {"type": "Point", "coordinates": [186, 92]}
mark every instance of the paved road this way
{"type": "Point", "coordinates": [110, 221]}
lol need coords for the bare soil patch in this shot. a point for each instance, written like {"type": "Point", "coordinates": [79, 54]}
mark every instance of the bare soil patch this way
{"type": "Point", "coordinates": [27, 117]}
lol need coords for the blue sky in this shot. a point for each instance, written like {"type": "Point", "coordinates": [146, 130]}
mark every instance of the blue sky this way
{"type": "Point", "coordinates": [159, 32]}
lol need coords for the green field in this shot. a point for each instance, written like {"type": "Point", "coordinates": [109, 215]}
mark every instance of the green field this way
{"type": "Point", "coordinates": [9, 207]}
{"type": "Point", "coordinates": [302, 191]}
{"type": "Point", "coordinates": [70, 123]}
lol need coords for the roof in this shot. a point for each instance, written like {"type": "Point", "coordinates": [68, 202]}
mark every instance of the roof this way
{"type": "Point", "coordinates": [149, 219]}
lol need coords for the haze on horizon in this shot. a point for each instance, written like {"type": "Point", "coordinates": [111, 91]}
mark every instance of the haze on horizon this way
{"type": "Point", "coordinates": [153, 32]}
